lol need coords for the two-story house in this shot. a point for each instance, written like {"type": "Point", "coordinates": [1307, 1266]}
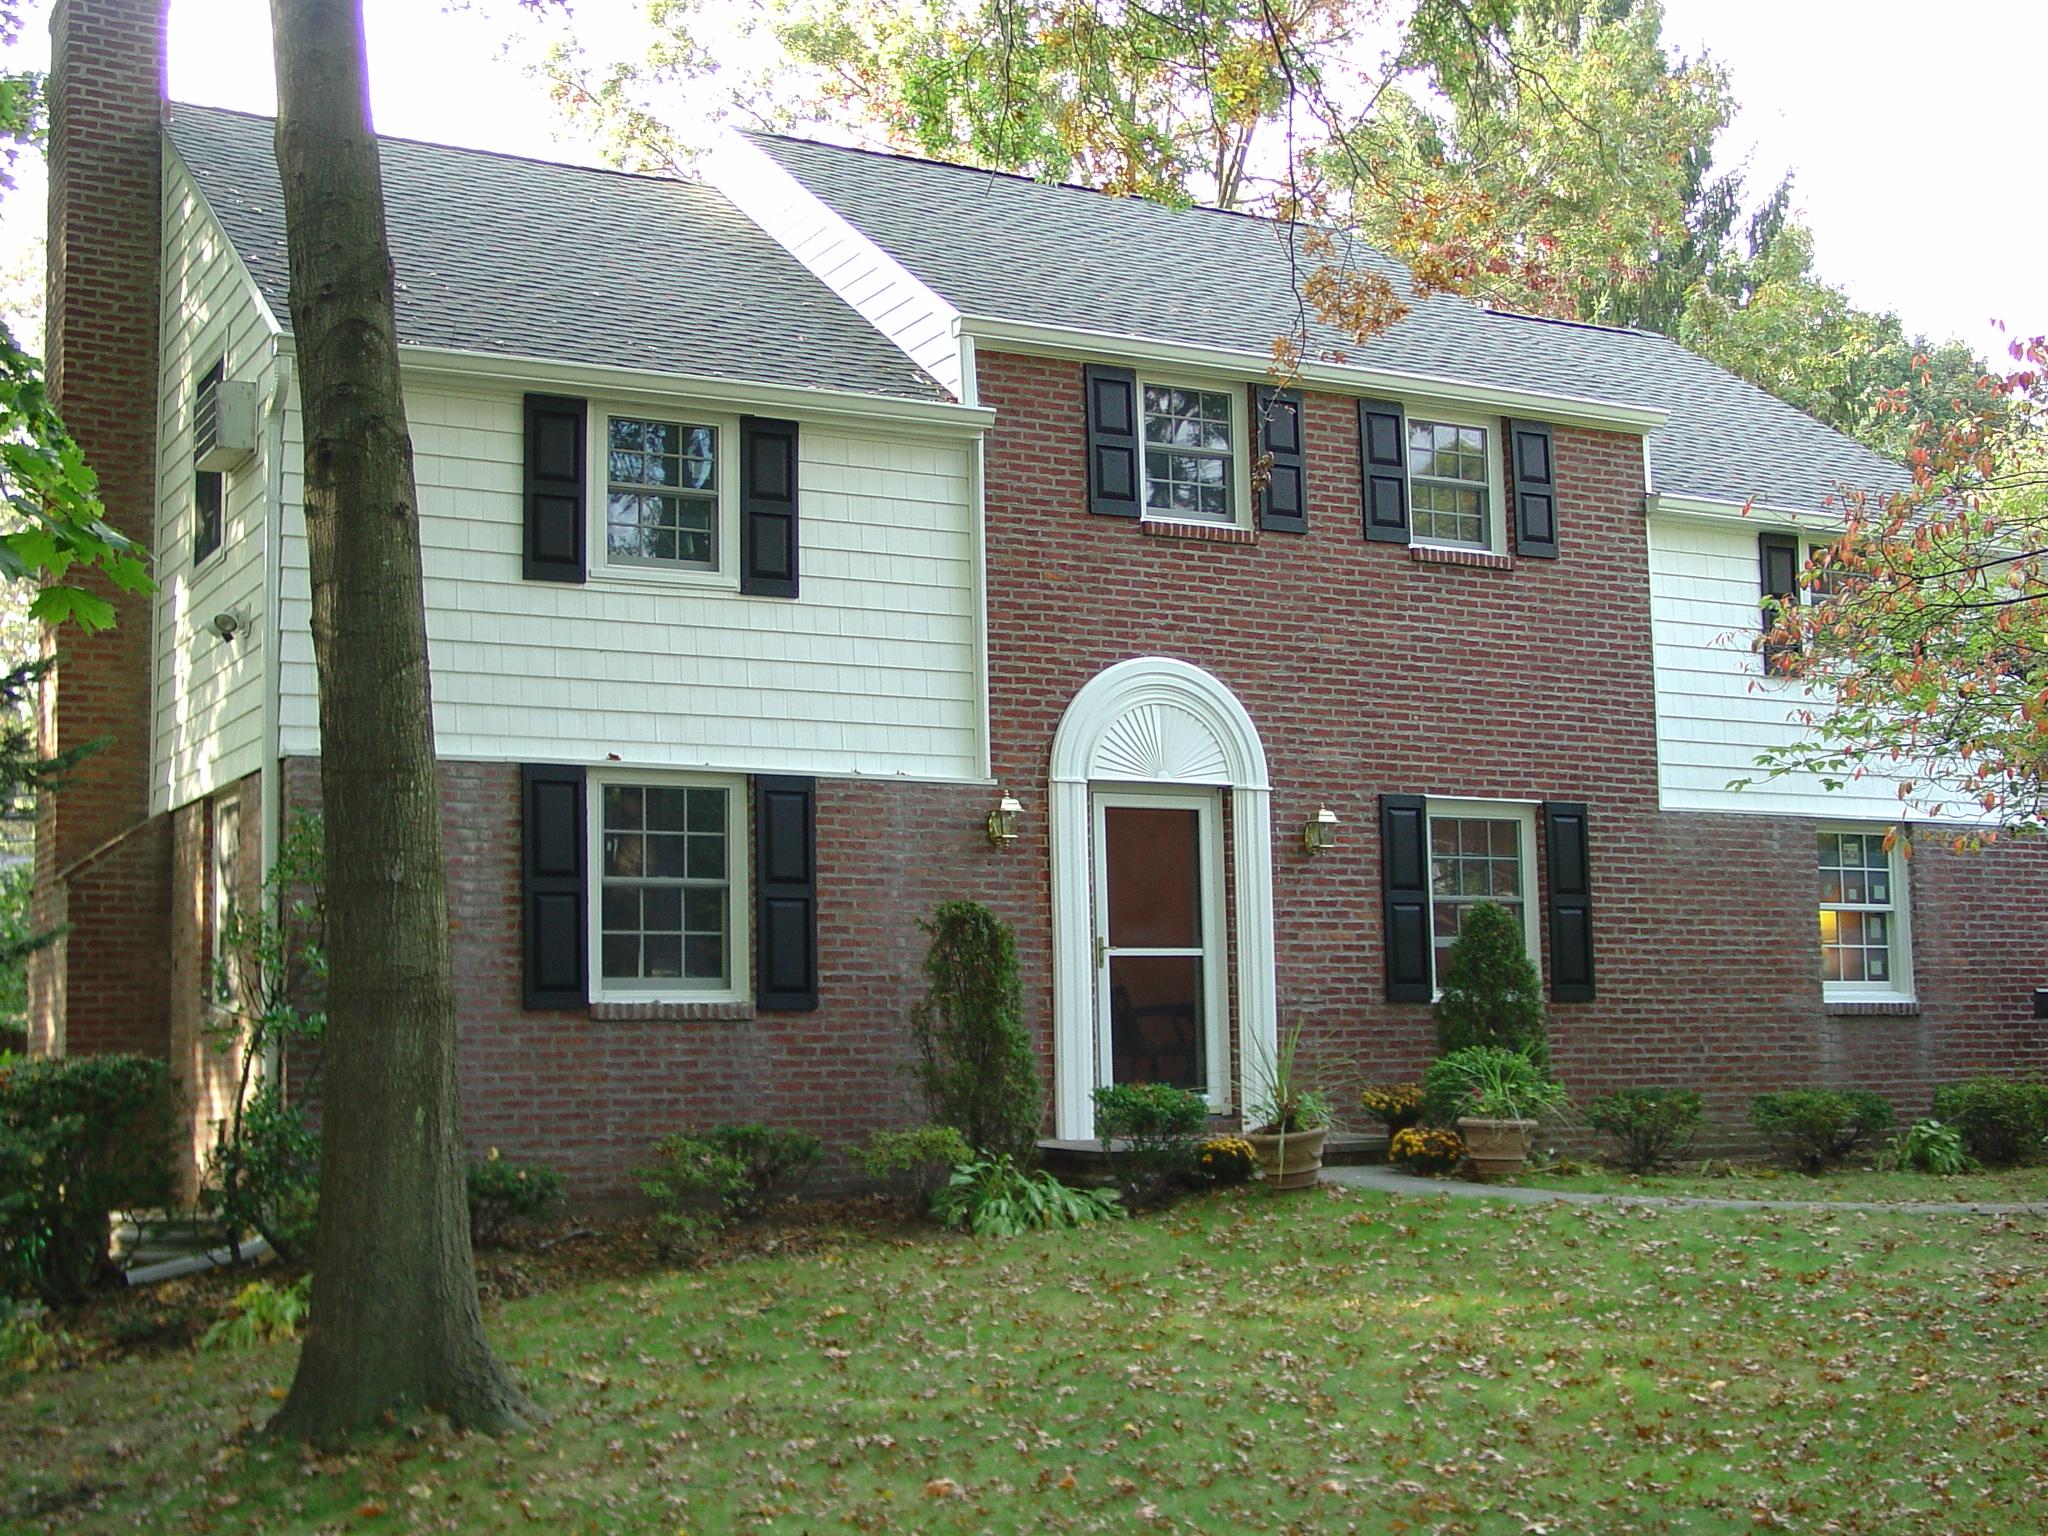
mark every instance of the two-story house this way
{"type": "Point", "coordinates": [853, 533]}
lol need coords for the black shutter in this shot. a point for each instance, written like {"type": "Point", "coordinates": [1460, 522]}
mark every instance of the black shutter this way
{"type": "Point", "coordinates": [554, 816]}
{"type": "Point", "coordinates": [1778, 563]}
{"type": "Point", "coordinates": [1383, 469]}
{"type": "Point", "coordinates": [556, 493]}
{"type": "Point", "coordinates": [1571, 902]}
{"type": "Point", "coordinates": [785, 894]}
{"type": "Point", "coordinates": [1533, 472]}
{"type": "Point", "coordinates": [1283, 499]}
{"type": "Point", "coordinates": [1404, 883]}
{"type": "Point", "coordinates": [768, 539]}
{"type": "Point", "coordinates": [1115, 477]}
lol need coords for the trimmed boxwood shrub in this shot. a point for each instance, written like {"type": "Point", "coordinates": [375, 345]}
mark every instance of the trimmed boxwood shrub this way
{"type": "Point", "coordinates": [2002, 1119]}
{"type": "Point", "coordinates": [502, 1192]}
{"type": "Point", "coordinates": [1819, 1126]}
{"type": "Point", "coordinates": [1653, 1125]}
{"type": "Point", "coordinates": [1158, 1124]}
{"type": "Point", "coordinates": [79, 1137]}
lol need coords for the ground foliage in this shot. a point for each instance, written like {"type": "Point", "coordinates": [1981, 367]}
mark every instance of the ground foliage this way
{"type": "Point", "coordinates": [1332, 1362]}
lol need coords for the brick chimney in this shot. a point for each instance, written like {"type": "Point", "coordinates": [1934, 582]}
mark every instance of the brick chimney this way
{"type": "Point", "coordinates": [102, 865]}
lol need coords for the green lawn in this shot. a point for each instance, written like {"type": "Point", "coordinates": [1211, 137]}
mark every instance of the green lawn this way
{"type": "Point", "coordinates": [1331, 1362]}
{"type": "Point", "coordinates": [2003, 1186]}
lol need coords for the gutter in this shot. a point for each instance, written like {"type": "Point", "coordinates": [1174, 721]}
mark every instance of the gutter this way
{"type": "Point", "coordinates": [944, 417]}
{"type": "Point", "coordinates": [1110, 346]}
{"type": "Point", "coordinates": [1756, 514]}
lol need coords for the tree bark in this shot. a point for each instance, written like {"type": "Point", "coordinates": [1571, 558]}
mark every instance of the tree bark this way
{"type": "Point", "coordinates": [394, 1322]}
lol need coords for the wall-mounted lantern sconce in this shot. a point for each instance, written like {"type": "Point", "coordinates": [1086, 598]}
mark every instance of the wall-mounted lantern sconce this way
{"type": "Point", "coordinates": [1002, 821]}
{"type": "Point", "coordinates": [1320, 833]}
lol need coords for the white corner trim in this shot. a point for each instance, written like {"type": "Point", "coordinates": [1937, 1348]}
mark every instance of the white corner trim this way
{"type": "Point", "coordinates": [1153, 720]}
{"type": "Point", "coordinates": [1240, 364]}
{"type": "Point", "coordinates": [871, 282]}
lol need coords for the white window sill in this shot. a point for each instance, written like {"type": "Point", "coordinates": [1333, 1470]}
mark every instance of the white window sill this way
{"type": "Point", "coordinates": [1852, 1003]}
{"type": "Point", "coordinates": [606, 574]}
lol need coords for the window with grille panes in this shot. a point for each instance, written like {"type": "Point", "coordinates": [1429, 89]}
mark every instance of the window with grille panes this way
{"type": "Point", "coordinates": [1189, 454]}
{"type": "Point", "coordinates": [1862, 919]}
{"type": "Point", "coordinates": [661, 493]}
{"type": "Point", "coordinates": [1447, 484]}
{"type": "Point", "coordinates": [1477, 855]}
{"type": "Point", "coordinates": [666, 907]}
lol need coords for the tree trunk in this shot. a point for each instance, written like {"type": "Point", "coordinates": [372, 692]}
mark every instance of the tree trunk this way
{"type": "Point", "coordinates": [394, 1321]}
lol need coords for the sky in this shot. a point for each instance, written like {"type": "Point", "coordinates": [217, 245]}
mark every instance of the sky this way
{"type": "Point", "coordinates": [1915, 144]}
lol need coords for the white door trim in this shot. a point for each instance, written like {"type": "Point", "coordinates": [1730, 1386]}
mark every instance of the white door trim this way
{"type": "Point", "coordinates": [1208, 809]}
{"type": "Point", "coordinates": [1153, 720]}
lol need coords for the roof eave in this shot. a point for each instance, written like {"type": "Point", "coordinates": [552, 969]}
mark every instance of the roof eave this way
{"type": "Point", "coordinates": [1756, 512]}
{"type": "Point", "coordinates": [1075, 341]}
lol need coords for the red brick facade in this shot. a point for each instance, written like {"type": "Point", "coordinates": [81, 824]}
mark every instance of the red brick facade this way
{"type": "Point", "coordinates": [102, 864]}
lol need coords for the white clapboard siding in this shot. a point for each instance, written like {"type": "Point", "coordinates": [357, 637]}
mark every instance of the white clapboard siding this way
{"type": "Point", "coordinates": [877, 287]}
{"type": "Point", "coordinates": [872, 671]}
{"type": "Point", "coordinates": [207, 729]}
{"type": "Point", "coordinates": [1715, 709]}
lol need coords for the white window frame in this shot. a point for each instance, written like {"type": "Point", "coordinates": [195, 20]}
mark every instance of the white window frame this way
{"type": "Point", "coordinates": [1900, 988]}
{"type": "Point", "coordinates": [222, 879]}
{"type": "Point", "coordinates": [723, 573]}
{"type": "Point", "coordinates": [1523, 814]}
{"type": "Point", "coordinates": [739, 869]}
{"type": "Point", "coordinates": [1239, 477]}
{"type": "Point", "coordinates": [1496, 541]}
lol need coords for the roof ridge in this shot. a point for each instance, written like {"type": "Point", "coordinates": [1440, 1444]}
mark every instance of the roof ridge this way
{"type": "Point", "coordinates": [1501, 312]}
{"type": "Point", "coordinates": [175, 107]}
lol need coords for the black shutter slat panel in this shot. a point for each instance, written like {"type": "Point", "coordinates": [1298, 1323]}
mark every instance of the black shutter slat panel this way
{"type": "Point", "coordinates": [1404, 883]}
{"type": "Point", "coordinates": [556, 487]}
{"type": "Point", "coordinates": [554, 876]}
{"type": "Point", "coordinates": [785, 894]}
{"type": "Point", "coordinates": [1569, 875]}
{"type": "Point", "coordinates": [1283, 499]}
{"type": "Point", "coordinates": [1778, 565]}
{"type": "Point", "coordinates": [1532, 468]}
{"type": "Point", "coordinates": [1383, 469]}
{"type": "Point", "coordinates": [768, 507]}
{"type": "Point", "coordinates": [1116, 478]}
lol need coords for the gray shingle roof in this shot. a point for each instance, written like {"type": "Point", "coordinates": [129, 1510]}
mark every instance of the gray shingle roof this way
{"type": "Point", "coordinates": [1008, 248]}
{"type": "Point", "coordinates": [525, 258]}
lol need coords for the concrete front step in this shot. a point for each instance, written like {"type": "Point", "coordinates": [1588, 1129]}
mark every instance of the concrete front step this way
{"type": "Point", "coordinates": [1084, 1159]}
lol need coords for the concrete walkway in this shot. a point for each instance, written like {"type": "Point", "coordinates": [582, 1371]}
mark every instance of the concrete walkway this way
{"type": "Point", "coordinates": [1389, 1181]}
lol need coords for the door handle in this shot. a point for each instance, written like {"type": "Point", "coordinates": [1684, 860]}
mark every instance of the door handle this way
{"type": "Point", "coordinates": [1101, 952]}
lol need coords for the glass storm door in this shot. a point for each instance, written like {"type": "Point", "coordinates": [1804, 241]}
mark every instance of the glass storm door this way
{"type": "Point", "coordinates": [1157, 951]}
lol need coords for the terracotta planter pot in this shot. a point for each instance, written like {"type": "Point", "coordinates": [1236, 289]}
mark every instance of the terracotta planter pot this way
{"type": "Point", "coordinates": [1496, 1148]}
{"type": "Point", "coordinates": [1304, 1152]}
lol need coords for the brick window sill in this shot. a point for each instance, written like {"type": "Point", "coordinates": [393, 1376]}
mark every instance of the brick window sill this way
{"type": "Point", "coordinates": [1202, 533]}
{"type": "Point", "coordinates": [679, 1013]}
{"type": "Point", "coordinates": [1872, 1007]}
{"type": "Point", "coordinates": [1484, 559]}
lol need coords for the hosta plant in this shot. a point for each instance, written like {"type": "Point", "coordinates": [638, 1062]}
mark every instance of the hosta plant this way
{"type": "Point", "coordinates": [993, 1197]}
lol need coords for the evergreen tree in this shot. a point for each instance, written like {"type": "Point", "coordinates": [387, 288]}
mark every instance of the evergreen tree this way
{"type": "Point", "coordinates": [1491, 994]}
{"type": "Point", "coordinates": [974, 1060]}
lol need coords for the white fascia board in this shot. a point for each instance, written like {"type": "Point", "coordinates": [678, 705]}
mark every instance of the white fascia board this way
{"type": "Point", "coordinates": [867, 279]}
{"type": "Point", "coordinates": [1108, 346]}
{"type": "Point", "coordinates": [936, 417]}
{"type": "Point", "coordinates": [1758, 514]}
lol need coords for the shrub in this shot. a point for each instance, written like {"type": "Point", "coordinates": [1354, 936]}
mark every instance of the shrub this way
{"type": "Point", "coordinates": [265, 1173]}
{"type": "Point", "coordinates": [1426, 1149]}
{"type": "Point", "coordinates": [1225, 1160]}
{"type": "Point", "coordinates": [1653, 1125]}
{"type": "Point", "coordinates": [689, 1182]}
{"type": "Point", "coordinates": [1490, 1080]}
{"type": "Point", "coordinates": [1931, 1147]}
{"type": "Point", "coordinates": [993, 1197]}
{"type": "Point", "coordinates": [1395, 1105]}
{"type": "Point", "coordinates": [772, 1163]}
{"type": "Point", "coordinates": [79, 1136]}
{"type": "Point", "coordinates": [1157, 1123]}
{"type": "Point", "coordinates": [913, 1162]}
{"type": "Point", "coordinates": [1491, 994]}
{"type": "Point", "coordinates": [261, 1314]}
{"type": "Point", "coordinates": [501, 1193]}
{"type": "Point", "coordinates": [1818, 1126]}
{"type": "Point", "coordinates": [2001, 1119]}
{"type": "Point", "coordinates": [975, 1063]}
{"type": "Point", "coordinates": [29, 1339]}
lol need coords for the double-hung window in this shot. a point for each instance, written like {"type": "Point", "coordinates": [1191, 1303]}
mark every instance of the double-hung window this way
{"type": "Point", "coordinates": [661, 493]}
{"type": "Point", "coordinates": [209, 486]}
{"type": "Point", "coordinates": [1190, 453]}
{"type": "Point", "coordinates": [669, 871]}
{"type": "Point", "coordinates": [1863, 919]}
{"type": "Point", "coordinates": [1449, 487]}
{"type": "Point", "coordinates": [1480, 851]}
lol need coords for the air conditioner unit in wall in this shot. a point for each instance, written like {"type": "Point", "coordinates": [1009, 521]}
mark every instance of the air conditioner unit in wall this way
{"type": "Point", "coordinates": [223, 425]}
